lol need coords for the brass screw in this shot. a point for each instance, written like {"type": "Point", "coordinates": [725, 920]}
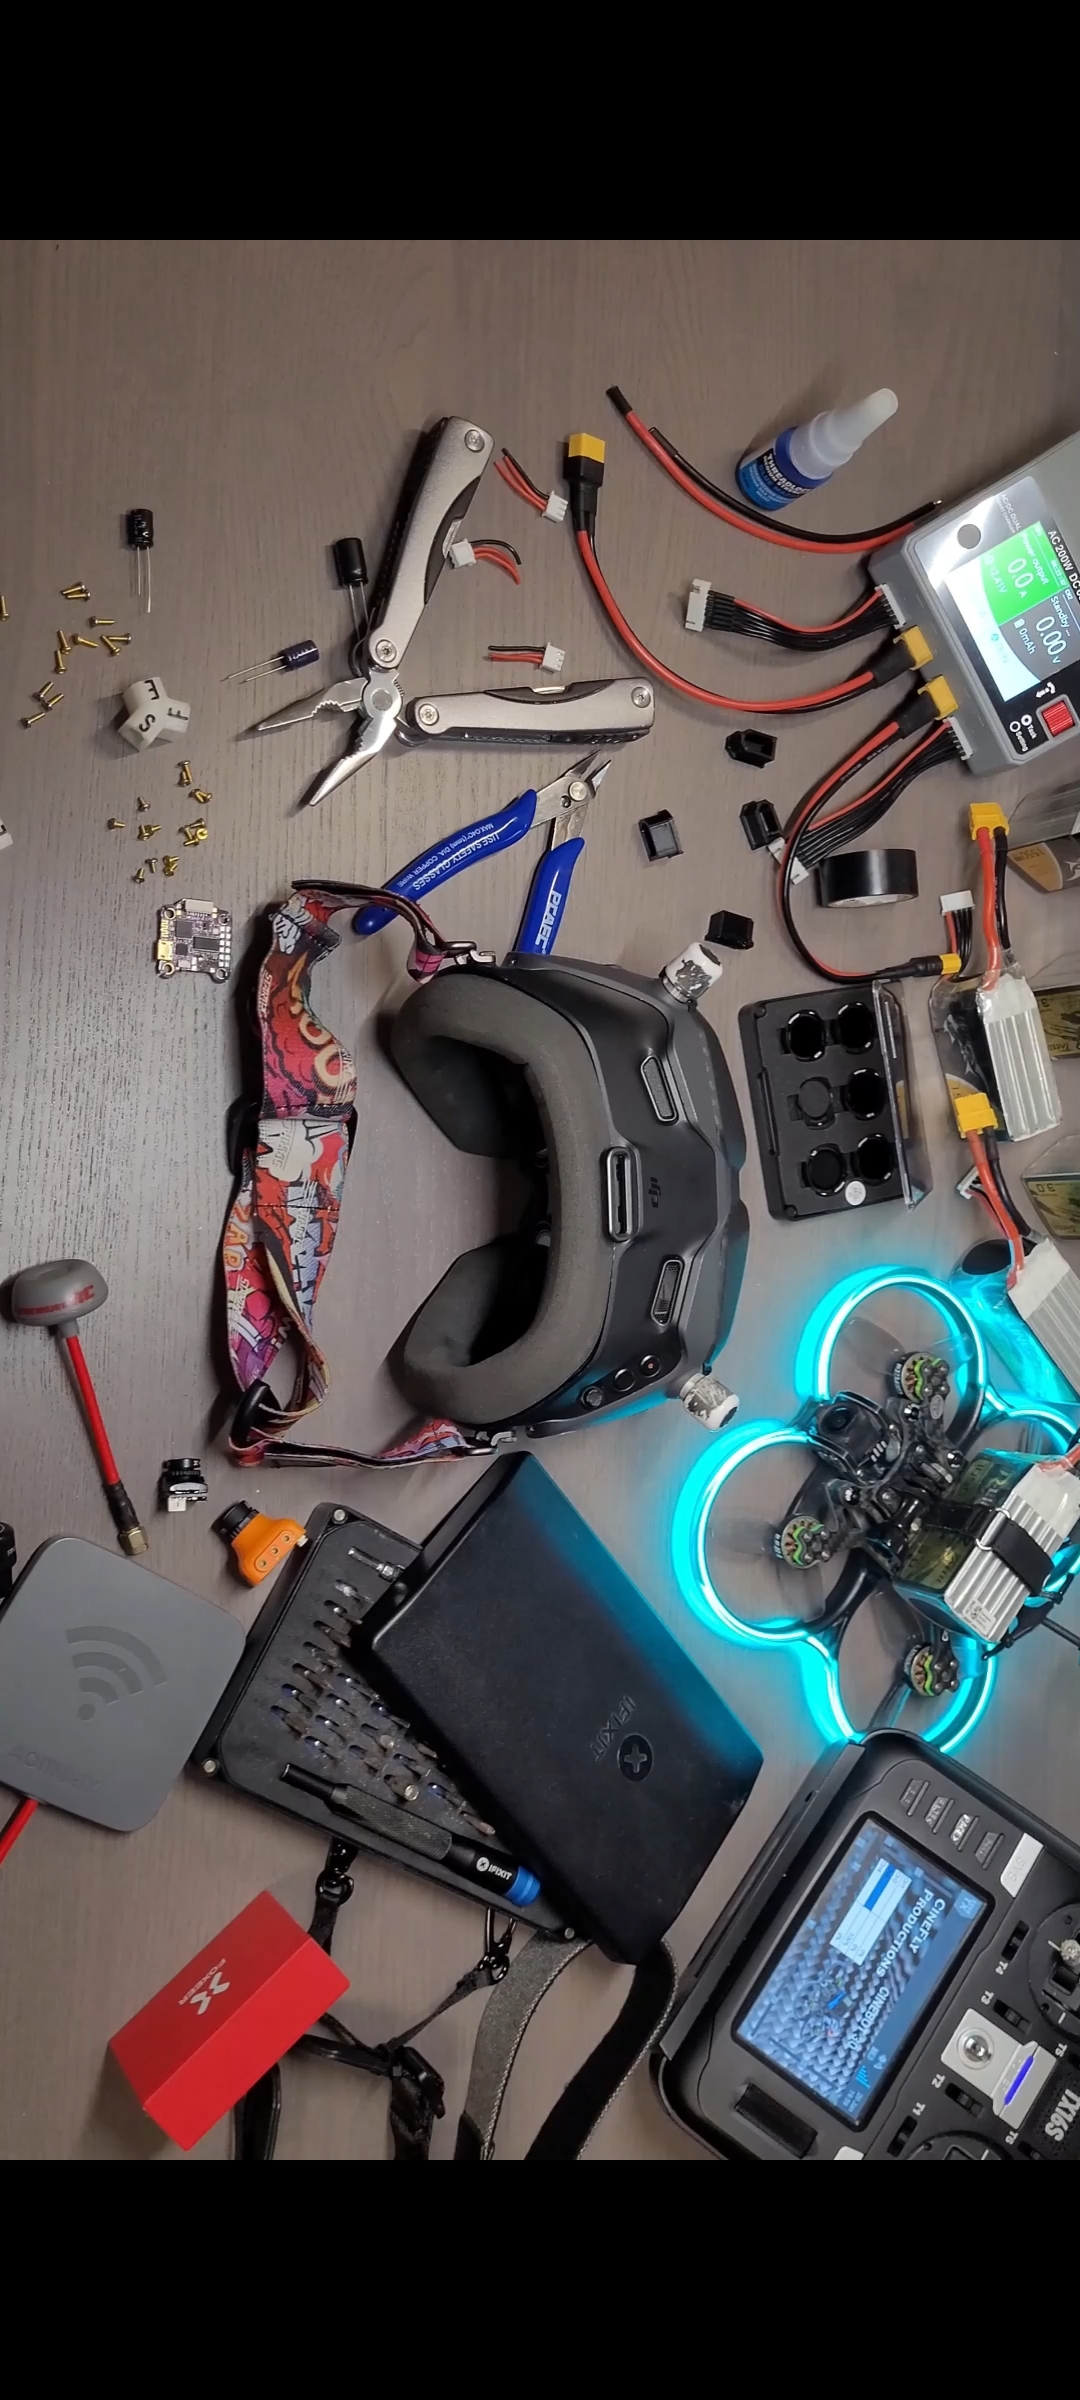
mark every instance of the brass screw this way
{"type": "Point", "coordinates": [170, 864]}
{"type": "Point", "coordinates": [113, 648]}
{"type": "Point", "coordinates": [61, 663]}
{"type": "Point", "coordinates": [193, 833]}
{"type": "Point", "coordinates": [62, 641]}
{"type": "Point", "coordinates": [85, 641]}
{"type": "Point", "coordinates": [123, 637]}
{"type": "Point", "coordinates": [202, 797]}
{"type": "Point", "coordinates": [44, 692]}
{"type": "Point", "coordinates": [74, 591]}
{"type": "Point", "coordinates": [139, 875]}
{"type": "Point", "coordinates": [3, 609]}
{"type": "Point", "coordinates": [145, 833]}
{"type": "Point", "coordinates": [142, 806]}
{"type": "Point", "coordinates": [117, 824]}
{"type": "Point", "coordinates": [152, 864]}
{"type": "Point", "coordinates": [186, 775]}
{"type": "Point", "coordinates": [55, 701]}
{"type": "Point", "coordinates": [36, 718]}
{"type": "Point", "coordinates": [103, 620]}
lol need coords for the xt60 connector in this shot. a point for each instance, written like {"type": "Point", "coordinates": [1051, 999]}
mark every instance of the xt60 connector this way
{"type": "Point", "coordinates": [258, 1543]}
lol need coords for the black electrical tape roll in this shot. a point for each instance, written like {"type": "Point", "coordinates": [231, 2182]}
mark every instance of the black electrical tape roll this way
{"type": "Point", "coordinates": [866, 878]}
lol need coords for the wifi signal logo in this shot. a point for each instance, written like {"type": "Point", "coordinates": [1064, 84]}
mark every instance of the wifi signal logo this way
{"type": "Point", "coordinates": [122, 1664]}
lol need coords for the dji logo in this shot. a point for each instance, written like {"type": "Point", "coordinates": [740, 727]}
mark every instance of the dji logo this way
{"type": "Point", "coordinates": [209, 1987]}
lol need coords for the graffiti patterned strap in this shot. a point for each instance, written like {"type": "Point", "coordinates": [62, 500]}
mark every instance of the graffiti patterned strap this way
{"type": "Point", "coordinates": [280, 1229]}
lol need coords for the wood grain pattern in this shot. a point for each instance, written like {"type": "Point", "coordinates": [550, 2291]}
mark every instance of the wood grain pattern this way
{"type": "Point", "coordinates": [269, 408]}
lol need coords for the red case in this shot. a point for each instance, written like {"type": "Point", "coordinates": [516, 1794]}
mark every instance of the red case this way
{"type": "Point", "coordinates": [207, 2036]}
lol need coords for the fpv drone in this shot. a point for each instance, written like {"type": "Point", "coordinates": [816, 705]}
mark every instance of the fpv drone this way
{"type": "Point", "coordinates": [970, 1544]}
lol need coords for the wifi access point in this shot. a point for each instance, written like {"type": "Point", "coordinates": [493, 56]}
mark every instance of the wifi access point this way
{"type": "Point", "coordinates": [108, 1674]}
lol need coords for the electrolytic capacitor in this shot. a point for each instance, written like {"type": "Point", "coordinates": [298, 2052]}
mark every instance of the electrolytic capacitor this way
{"type": "Point", "coordinates": [351, 569]}
{"type": "Point", "coordinates": [283, 662]}
{"type": "Point", "coordinates": [140, 534]}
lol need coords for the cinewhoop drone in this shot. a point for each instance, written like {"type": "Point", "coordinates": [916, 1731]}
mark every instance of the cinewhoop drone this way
{"type": "Point", "coordinates": [904, 1496]}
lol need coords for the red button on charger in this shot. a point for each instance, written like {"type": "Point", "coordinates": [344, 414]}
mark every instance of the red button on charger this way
{"type": "Point", "coordinates": [1057, 717]}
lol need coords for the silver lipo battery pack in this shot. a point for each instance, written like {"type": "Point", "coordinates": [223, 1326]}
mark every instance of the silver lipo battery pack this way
{"type": "Point", "coordinates": [994, 586]}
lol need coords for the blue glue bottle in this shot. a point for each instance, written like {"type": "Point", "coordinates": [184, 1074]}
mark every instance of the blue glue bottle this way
{"type": "Point", "coordinates": [803, 456]}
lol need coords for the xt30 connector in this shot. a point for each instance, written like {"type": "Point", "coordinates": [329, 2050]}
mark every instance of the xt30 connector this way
{"type": "Point", "coordinates": [584, 475]}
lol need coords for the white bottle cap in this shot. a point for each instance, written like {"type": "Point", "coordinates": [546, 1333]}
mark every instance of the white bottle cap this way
{"type": "Point", "coordinates": [828, 441]}
{"type": "Point", "coordinates": [838, 432]}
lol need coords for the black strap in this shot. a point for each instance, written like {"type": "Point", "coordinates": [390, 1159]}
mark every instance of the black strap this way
{"type": "Point", "coordinates": [416, 2088]}
{"type": "Point", "coordinates": [502, 2029]}
{"type": "Point", "coordinates": [590, 2092]}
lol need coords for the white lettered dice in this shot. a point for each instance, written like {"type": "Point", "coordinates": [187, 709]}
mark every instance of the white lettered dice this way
{"type": "Point", "coordinates": [151, 715]}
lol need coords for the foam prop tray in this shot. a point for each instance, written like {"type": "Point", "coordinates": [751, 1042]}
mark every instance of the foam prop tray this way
{"type": "Point", "coordinates": [339, 1726]}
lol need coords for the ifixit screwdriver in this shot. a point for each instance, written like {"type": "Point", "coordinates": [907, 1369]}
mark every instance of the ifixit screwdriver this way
{"type": "Point", "coordinates": [490, 1870]}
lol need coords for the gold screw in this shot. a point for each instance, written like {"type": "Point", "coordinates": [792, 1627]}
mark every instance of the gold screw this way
{"type": "Point", "coordinates": [193, 833]}
{"type": "Point", "coordinates": [36, 718]}
{"type": "Point", "coordinates": [152, 864]}
{"type": "Point", "coordinates": [61, 663]}
{"type": "Point", "coordinates": [186, 775]}
{"type": "Point", "coordinates": [170, 864]}
{"type": "Point", "coordinates": [55, 701]}
{"type": "Point", "coordinates": [85, 641]}
{"type": "Point", "coordinates": [123, 637]}
{"type": "Point", "coordinates": [3, 609]}
{"type": "Point", "coordinates": [139, 875]}
{"type": "Point", "coordinates": [74, 591]}
{"type": "Point", "coordinates": [117, 824]}
{"type": "Point", "coordinates": [203, 797]}
{"type": "Point", "coordinates": [62, 640]}
{"type": "Point", "coordinates": [142, 806]}
{"type": "Point", "coordinates": [113, 648]}
{"type": "Point", "coordinates": [103, 620]}
{"type": "Point", "coordinates": [144, 833]}
{"type": "Point", "coordinates": [44, 692]}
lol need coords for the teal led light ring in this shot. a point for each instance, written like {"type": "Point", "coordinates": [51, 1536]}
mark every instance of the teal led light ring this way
{"type": "Point", "coordinates": [814, 1357]}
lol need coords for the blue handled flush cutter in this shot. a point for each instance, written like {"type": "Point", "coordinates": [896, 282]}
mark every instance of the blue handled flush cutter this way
{"type": "Point", "coordinates": [561, 805]}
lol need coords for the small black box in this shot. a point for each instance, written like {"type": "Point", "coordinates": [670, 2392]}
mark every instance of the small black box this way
{"type": "Point", "coordinates": [545, 1678]}
{"type": "Point", "coordinates": [659, 836]}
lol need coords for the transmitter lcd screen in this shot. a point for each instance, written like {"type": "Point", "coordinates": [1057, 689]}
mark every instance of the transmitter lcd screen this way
{"type": "Point", "coordinates": [863, 1967]}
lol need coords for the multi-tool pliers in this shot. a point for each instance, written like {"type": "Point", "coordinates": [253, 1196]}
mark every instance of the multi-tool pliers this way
{"type": "Point", "coordinates": [445, 470]}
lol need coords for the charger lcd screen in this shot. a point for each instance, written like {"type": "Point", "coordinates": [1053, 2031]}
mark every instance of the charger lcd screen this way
{"type": "Point", "coordinates": [863, 1967]}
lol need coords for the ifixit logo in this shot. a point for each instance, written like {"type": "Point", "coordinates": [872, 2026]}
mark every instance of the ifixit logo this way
{"type": "Point", "coordinates": [621, 1714]}
{"type": "Point", "coordinates": [210, 1986]}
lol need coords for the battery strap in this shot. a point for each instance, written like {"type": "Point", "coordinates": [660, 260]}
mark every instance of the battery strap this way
{"type": "Point", "coordinates": [280, 1229]}
{"type": "Point", "coordinates": [1025, 1558]}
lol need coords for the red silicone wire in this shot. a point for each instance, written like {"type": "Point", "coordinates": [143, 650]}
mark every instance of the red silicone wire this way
{"type": "Point", "coordinates": [94, 1418]}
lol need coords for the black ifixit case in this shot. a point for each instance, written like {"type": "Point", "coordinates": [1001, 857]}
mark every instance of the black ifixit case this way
{"type": "Point", "coordinates": [299, 1696]}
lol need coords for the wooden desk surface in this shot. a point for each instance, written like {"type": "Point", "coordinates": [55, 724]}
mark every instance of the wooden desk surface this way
{"type": "Point", "coordinates": [262, 398]}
